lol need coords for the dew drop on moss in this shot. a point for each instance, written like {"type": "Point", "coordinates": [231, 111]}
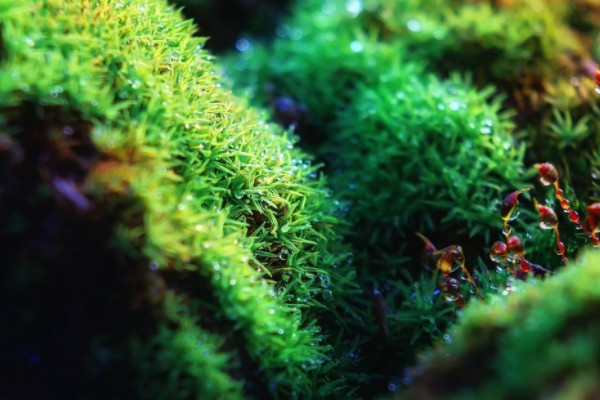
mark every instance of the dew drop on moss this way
{"type": "Point", "coordinates": [413, 25]}
{"type": "Point", "coordinates": [357, 46]}
{"type": "Point", "coordinates": [283, 255]}
{"type": "Point", "coordinates": [324, 278]}
{"type": "Point", "coordinates": [243, 45]}
{"type": "Point", "coordinates": [354, 7]}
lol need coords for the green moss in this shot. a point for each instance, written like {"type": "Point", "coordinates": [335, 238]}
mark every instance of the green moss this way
{"type": "Point", "coordinates": [406, 151]}
{"type": "Point", "coordinates": [538, 341]}
{"type": "Point", "coordinates": [410, 144]}
{"type": "Point", "coordinates": [126, 147]}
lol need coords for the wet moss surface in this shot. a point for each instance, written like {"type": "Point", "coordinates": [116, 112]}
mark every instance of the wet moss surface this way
{"type": "Point", "coordinates": [162, 237]}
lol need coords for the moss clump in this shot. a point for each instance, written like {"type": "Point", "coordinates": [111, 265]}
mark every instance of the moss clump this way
{"type": "Point", "coordinates": [406, 151]}
{"type": "Point", "coordinates": [160, 240]}
{"type": "Point", "coordinates": [539, 341]}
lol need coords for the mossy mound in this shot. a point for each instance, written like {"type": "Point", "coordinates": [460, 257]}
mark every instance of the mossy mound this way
{"type": "Point", "coordinates": [539, 342]}
{"type": "Point", "coordinates": [159, 239]}
{"type": "Point", "coordinates": [411, 144]}
{"type": "Point", "coordinates": [406, 150]}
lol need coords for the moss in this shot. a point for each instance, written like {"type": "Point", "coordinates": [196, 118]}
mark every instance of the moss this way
{"type": "Point", "coordinates": [413, 144]}
{"type": "Point", "coordinates": [539, 341]}
{"type": "Point", "coordinates": [395, 137]}
{"type": "Point", "coordinates": [139, 172]}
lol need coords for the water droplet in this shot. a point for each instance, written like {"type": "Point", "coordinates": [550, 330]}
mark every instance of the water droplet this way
{"type": "Point", "coordinates": [67, 131]}
{"type": "Point", "coordinates": [447, 338]}
{"type": "Point", "coordinates": [153, 265]}
{"type": "Point", "coordinates": [243, 45]}
{"type": "Point", "coordinates": [574, 217]}
{"type": "Point", "coordinates": [283, 255]}
{"type": "Point", "coordinates": [354, 7]}
{"type": "Point", "coordinates": [272, 311]}
{"type": "Point", "coordinates": [454, 105]}
{"type": "Point", "coordinates": [356, 46]}
{"type": "Point", "coordinates": [546, 225]}
{"type": "Point", "coordinates": [232, 282]}
{"type": "Point", "coordinates": [325, 282]}
{"type": "Point", "coordinates": [29, 42]}
{"type": "Point", "coordinates": [498, 252]}
{"type": "Point", "coordinates": [413, 25]}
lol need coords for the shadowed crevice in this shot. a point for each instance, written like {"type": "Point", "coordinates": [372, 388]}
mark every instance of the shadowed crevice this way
{"type": "Point", "coordinates": [71, 298]}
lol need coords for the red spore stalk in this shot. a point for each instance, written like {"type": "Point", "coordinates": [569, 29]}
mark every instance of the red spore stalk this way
{"type": "Point", "coordinates": [549, 176]}
{"type": "Point", "coordinates": [593, 220]}
{"type": "Point", "coordinates": [549, 220]}
{"type": "Point", "coordinates": [507, 209]}
{"type": "Point", "coordinates": [446, 260]}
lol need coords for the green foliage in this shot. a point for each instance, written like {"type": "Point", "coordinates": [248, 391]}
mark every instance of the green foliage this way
{"type": "Point", "coordinates": [406, 151]}
{"type": "Point", "coordinates": [499, 41]}
{"type": "Point", "coordinates": [539, 341]}
{"type": "Point", "coordinates": [409, 151]}
{"type": "Point", "coordinates": [188, 192]}
{"type": "Point", "coordinates": [202, 255]}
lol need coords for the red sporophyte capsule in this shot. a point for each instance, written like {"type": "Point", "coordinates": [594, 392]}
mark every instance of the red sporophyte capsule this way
{"type": "Point", "coordinates": [573, 216]}
{"type": "Point", "coordinates": [548, 218]}
{"type": "Point", "coordinates": [515, 246]}
{"type": "Point", "coordinates": [598, 76]}
{"type": "Point", "coordinates": [498, 252]}
{"type": "Point", "coordinates": [593, 216]}
{"type": "Point", "coordinates": [548, 173]}
{"type": "Point", "coordinates": [560, 248]}
{"type": "Point", "coordinates": [509, 203]}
